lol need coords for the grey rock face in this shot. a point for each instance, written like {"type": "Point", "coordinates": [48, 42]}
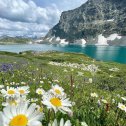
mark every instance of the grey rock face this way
{"type": "Point", "coordinates": [93, 18]}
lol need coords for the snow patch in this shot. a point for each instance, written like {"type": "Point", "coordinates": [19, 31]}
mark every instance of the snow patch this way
{"type": "Point", "coordinates": [101, 40]}
{"type": "Point", "coordinates": [83, 41]}
{"type": "Point", "coordinates": [38, 41]}
{"type": "Point", "coordinates": [50, 40]}
{"type": "Point", "coordinates": [63, 41]}
{"type": "Point", "coordinates": [110, 20]}
{"type": "Point", "coordinates": [58, 39]}
{"type": "Point", "coordinates": [113, 37]}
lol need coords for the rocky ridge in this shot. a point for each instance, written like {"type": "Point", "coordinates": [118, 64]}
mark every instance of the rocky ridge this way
{"type": "Point", "coordinates": [97, 22]}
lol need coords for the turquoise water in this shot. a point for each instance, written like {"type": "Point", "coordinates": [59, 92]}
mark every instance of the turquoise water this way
{"type": "Point", "coordinates": [104, 53]}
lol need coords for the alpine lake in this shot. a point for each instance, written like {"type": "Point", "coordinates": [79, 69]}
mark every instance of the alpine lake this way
{"type": "Point", "coordinates": [100, 53]}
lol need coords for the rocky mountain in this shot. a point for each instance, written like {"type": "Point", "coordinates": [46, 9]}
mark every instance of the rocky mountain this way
{"type": "Point", "coordinates": [101, 22]}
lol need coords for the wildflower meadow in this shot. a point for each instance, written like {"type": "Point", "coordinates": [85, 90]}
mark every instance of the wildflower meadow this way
{"type": "Point", "coordinates": [61, 89]}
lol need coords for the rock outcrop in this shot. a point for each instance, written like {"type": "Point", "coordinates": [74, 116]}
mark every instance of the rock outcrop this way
{"type": "Point", "coordinates": [100, 22]}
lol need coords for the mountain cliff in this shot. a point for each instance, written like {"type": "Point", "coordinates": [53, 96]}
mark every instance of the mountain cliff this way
{"type": "Point", "coordinates": [100, 22]}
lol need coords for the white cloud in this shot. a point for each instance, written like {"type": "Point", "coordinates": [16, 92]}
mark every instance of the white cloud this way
{"type": "Point", "coordinates": [27, 17]}
{"type": "Point", "coordinates": [20, 28]}
{"type": "Point", "coordinates": [27, 11]}
{"type": "Point", "coordinates": [70, 4]}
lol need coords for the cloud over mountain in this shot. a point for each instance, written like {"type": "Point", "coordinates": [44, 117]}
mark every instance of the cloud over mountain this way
{"type": "Point", "coordinates": [28, 16]}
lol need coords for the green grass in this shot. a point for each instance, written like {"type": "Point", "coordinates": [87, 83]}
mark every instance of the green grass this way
{"type": "Point", "coordinates": [31, 67]}
{"type": "Point", "coordinates": [12, 40]}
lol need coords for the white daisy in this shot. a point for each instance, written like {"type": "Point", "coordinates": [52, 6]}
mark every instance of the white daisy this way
{"type": "Point", "coordinates": [23, 83]}
{"type": "Point", "coordinates": [9, 92]}
{"type": "Point", "coordinates": [65, 70]}
{"type": "Point", "coordinates": [80, 73]}
{"type": "Point", "coordinates": [83, 124]}
{"type": "Point", "coordinates": [113, 101]}
{"type": "Point", "coordinates": [10, 102]}
{"type": "Point", "coordinates": [114, 69]}
{"type": "Point", "coordinates": [57, 90]}
{"type": "Point", "coordinates": [1, 86]}
{"type": "Point", "coordinates": [24, 90]}
{"type": "Point", "coordinates": [104, 101]}
{"type": "Point", "coordinates": [41, 82]}
{"type": "Point", "coordinates": [94, 95]}
{"type": "Point", "coordinates": [14, 101]}
{"type": "Point", "coordinates": [33, 100]}
{"type": "Point", "coordinates": [123, 98]}
{"type": "Point", "coordinates": [22, 115]}
{"type": "Point", "coordinates": [90, 80]}
{"type": "Point", "coordinates": [56, 103]}
{"type": "Point", "coordinates": [40, 91]}
{"type": "Point", "coordinates": [56, 81]}
{"type": "Point", "coordinates": [122, 106]}
{"type": "Point", "coordinates": [62, 123]}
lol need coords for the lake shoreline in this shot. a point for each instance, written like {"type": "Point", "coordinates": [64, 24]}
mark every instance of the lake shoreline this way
{"type": "Point", "coordinates": [102, 53]}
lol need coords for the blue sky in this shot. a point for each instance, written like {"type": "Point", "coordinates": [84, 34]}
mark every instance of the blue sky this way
{"type": "Point", "coordinates": [32, 17]}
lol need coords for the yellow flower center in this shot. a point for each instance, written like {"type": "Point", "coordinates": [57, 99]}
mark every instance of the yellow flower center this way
{"type": "Point", "coordinates": [58, 91]}
{"type": "Point", "coordinates": [56, 102]}
{"type": "Point", "coordinates": [19, 120]}
{"type": "Point", "coordinates": [39, 92]}
{"type": "Point", "coordinates": [13, 102]}
{"type": "Point", "coordinates": [40, 109]}
{"type": "Point", "coordinates": [123, 107]}
{"type": "Point", "coordinates": [11, 92]}
{"type": "Point", "coordinates": [21, 91]}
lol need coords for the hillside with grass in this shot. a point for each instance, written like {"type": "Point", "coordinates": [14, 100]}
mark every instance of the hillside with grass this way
{"type": "Point", "coordinates": [94, 91]}
{"type": "Point", "coordinates": [14, 40]}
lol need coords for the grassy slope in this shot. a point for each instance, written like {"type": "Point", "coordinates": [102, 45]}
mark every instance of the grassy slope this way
{"type": "Point", "coordinates": [31, 67]}
{"type": "Point", "coordinates": [11, 40]}
{"type": "Point", "coordinates": [102, 78]}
